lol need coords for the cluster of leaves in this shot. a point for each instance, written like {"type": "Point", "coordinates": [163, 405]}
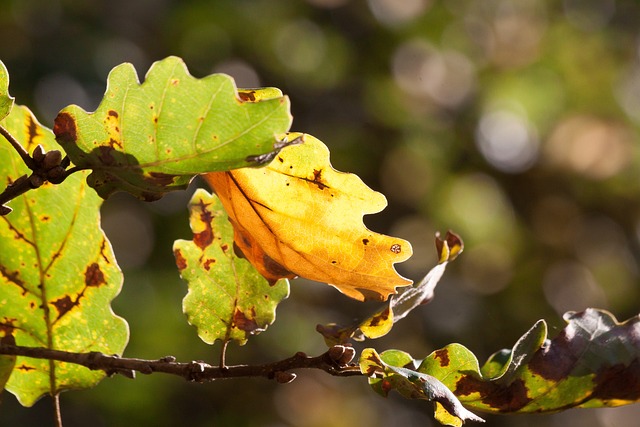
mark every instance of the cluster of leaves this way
{"type": "Point", "coordinates": [279, 211]}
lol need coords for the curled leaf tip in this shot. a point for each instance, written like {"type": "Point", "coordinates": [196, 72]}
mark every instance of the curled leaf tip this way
{"type": "Point", "coordinates": [450, 247]}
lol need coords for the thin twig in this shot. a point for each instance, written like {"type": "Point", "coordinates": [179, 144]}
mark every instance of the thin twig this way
{"type": "Point", "coordinates": [223, 354]}
{"type": "Point", "coordinates": [56, 410]}
{"type": "Point", "coordinates": [197, 371]}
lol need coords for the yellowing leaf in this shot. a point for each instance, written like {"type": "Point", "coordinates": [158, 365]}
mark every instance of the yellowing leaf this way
{"type": "Point", "coordinates": [300, 217]}
{"type": "Point", "coordinates": [58, 274]}
{"type": "Point", "coordinates": [227, 299]}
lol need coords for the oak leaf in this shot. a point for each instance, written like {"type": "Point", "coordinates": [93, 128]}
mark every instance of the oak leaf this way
{"type": "Point", "coordinates": [58, 274]}
{"type": "Point", "coordinates": [298, 216]}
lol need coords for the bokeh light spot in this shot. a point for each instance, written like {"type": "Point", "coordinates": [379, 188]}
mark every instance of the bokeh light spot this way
{"type": "Point", "coordinates": [570, 286]}
{"type": "Point", "coordinates": [393, 12]}
{"type": "Point", "coordinates": [507, 140]}
{"type": "Point", "coordinates": [591, 146]}
{"type": "Point", "coordinates": [244, 74]}
{"type": "Point", "coordinates": [301, 46]}
{"type": "Point", "coordinates": [420, 70]}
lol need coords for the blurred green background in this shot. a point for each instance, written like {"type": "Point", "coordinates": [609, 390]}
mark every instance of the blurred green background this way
{"type": "Point", "coordinates": [513, 122]}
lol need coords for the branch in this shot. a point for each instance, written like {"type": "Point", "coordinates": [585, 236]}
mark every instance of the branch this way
{"type": "Point", "coordinates": [336, 361]}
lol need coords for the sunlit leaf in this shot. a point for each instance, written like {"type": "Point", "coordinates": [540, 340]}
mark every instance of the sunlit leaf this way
{"type": "Point", "coordinates": [300, 217]}
{"type": "Point", "coordinates": [394, 370]}
{"type": "Point", "coordinates": [6, 100]}
{"type": "Point", "coordinates": [228, 299]}
{"type": "Point", "coordinates": [153, 137]}
{"type": "Point", "coordinates": [401, 304]}
{"type": "Point", "coordinates": [594, 361]}
{"type": "Point", "coordinates": [58, 274]}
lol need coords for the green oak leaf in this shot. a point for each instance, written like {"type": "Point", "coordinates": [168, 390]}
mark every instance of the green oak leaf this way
{"type": "Point", "coordinates": [228, 299]}
{"type": "Point", "coordinates": [593, 362]}
{"type": "Point", "coordinates": [6, 100]}
{"type": "Point", "coordinates": [153, 137]}
{"type": "Point", "coordinates": [401, 304]}
{"type": "Point", "coordinates": [58, 273]}
{"type": "Point", "coordinates": [395, 370]}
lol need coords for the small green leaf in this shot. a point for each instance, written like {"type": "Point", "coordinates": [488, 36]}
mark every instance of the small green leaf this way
{"type": "Point", "coordinates": [228, 299]}
{"type": "Point", "coordinates": [394, 370]}
{"type": "Point", "coordinates": [58, 274]}
{"type": "Point", "coordinates": [153, 137]}
{"type": "Point", "coordinates": [6, 100]}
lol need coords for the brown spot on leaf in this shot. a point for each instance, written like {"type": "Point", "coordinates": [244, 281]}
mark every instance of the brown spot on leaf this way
{"type": "Point", "coordinates": [386, 386]}
{"type": "Point", "coordinates": [13, 277]}
{"type": "Point", "coordinates": [317, 179]}
{"type": "Point", "coordinates": [365, 241]}
{"type": "Point", "coordinates": [443, 357]}
{"type": "Point", "coordinates": [380, 318]}
{"type": "Point", "coordinates": [509, 398]}
{"type": "Point", "coordinates": [245, 322]}
{"type": "Point", "coordinates": [113, 113]}
{"type": "Point", "coordinates": [224, 247]}
{"type": "Point", "coordinates": [32, 130]}
{"type": "Point", "coordinates": [93, 275]}
{"type": "Point", "coordinates": [247, 95]}
{"type": "Point", "coordinates": [113, 143]}
{"type": "Point", "coordinates": [207, 263]}
{"type": "Point", "coordinates": [618, 382]}
{"type": "Point", "coordinates": [181, 262]}
{"type": "Point", "coordinates": [103, 251]}
{"type": "Point", "coordinates": [175, 82]}
{"type": "Point", "coordinates": [205, 237]}
{"type": "Point", "coordinates": [556, 361]}
{"type": "Point", "coordinates": [64, 305]}
{"type": "Point", "coordinates": [64, 128]}
{"type": "Point", "coordinates": [396, 248]}
{"type": "Point", "coordinates": [25, 368]}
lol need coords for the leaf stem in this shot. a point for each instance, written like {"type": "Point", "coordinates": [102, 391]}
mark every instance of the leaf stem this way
{"type": "Point", "coordinates": [56, 410]}
{"type": "Point", "coordinates": [223, 354]}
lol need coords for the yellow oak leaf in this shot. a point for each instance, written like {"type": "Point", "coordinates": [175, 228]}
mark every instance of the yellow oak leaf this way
{"type": "Point", "coordinates": [298, 216]}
